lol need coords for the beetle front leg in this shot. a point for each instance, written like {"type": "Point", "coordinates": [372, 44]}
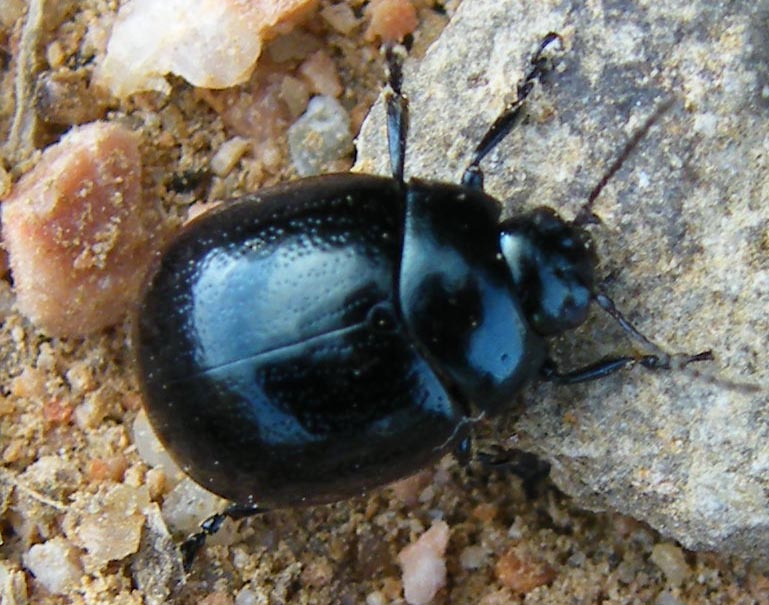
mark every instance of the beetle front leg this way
{"type": "Point", "coordinates": [655, 359]}
{"type": "Point", "coordinates": [605, 367]}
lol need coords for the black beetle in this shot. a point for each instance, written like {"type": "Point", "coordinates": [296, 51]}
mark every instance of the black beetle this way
{"type": "Point", "coordinates": [315, 339]}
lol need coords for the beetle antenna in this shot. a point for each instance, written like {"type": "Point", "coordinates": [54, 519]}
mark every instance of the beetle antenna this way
{"type": "Point", "coordinates": [585, 214]}
{"type": "Point", "coordinates": [511, 114]}
{"type": "Point", "coordinates": [397, 109]}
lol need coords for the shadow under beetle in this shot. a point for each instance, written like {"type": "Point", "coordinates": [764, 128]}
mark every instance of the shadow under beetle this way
{"type": "Point", "coordinates": [312, 340]}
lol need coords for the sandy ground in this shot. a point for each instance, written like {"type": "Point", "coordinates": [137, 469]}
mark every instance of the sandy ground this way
{"type": "Point", "coordinates": [68, 406]}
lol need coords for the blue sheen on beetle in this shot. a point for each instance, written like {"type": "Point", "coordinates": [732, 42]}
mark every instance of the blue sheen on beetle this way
{"type": "Point", "coordinates": [301, 348]}
{"type": "Point", "coordinates": [310, 341]}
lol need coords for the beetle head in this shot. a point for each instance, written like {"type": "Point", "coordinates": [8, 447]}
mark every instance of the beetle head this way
{"type": "Point", "coordinates": [552, 263]}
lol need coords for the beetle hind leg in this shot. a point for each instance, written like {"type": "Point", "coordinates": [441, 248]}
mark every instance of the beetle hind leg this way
{"type": "Point", "coordinates": [192, 545]}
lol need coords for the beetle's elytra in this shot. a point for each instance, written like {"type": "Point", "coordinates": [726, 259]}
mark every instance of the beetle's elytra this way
{"type": "Point", "coordinates": [315, 339]}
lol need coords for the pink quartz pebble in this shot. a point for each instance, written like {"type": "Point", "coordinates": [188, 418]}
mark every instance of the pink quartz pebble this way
{"type": "Point", "coordinates": [79, 233]}
{"type": "Point", "coordinates": [424, 566]}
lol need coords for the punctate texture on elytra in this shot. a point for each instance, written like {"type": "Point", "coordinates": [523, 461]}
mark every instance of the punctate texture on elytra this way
{"type": "Point", "coordinates": [321, 337]}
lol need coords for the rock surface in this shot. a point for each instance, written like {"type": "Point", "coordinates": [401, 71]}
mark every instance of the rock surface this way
{"type": "Point", "coordinates": [684, 241]}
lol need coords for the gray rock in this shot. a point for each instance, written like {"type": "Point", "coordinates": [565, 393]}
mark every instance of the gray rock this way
{"type": "Point", "coordinates": [320, 136]}
{"type": "Point", "coordinates": [684, 240]}
{"type": "Point", "coordinates": [157, 567]}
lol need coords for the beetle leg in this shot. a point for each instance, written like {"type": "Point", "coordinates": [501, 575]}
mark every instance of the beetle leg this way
{"type": "Point", "coordinates": [213, 524]}
{"type": "Point", "coordinates": [593, 371]}
{"type": "Point", "coordinates": [511, 114]}
{"type": "Point", "coordinates": [655, 359]}
{"type": "Point", "coordinates": [665, 360]}
{"type": "Point", "coordinates": [530, 468]}
{"type": "Point", "coordinates": [463, 451]}
{"type": "Point", "coordinates": [397, 110]}
{"type": "Point", "coordinates": [605, 367]}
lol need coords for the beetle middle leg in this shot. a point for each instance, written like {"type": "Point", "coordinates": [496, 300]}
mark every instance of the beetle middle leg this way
{"type": "Point", "coordinates": [511, 114]}
{"type": "Point", "coordinates": [528, 467]}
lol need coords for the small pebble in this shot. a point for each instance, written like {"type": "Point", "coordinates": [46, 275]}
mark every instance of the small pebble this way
{"type": "Point", "coordinates": [62, 97]}
{"type": "Point", "coordinates": [295, 94]}
{"type": "Point", "coordinates": [472, 557]}
{"type": "Point", "coordinates": [294, 46]}
{"type": "Point", "coordinates": [375, 598]}
{"type": "Point", "coordinates": [423, 564]}
{"type": "Point", "coordinates": [319, 72]}
{"type": "Point", "coordinates": [93, 409]}
{"type": "Point", "coordinates": [187, 505]}
{"type": "Point", "coordinates": [55, 564]}
{"type": "Point", "coordinates": [321, 136]}
{"type": "Point", "coordinates": [260, 116]}
{"type": "Point", "coordinates": [111, 529]}
{"type": "Point", "coordinates": [53, 475]}
{"type": "Point", "coordinates": [485, 512]}
{"type": "Point", "coordinates": [13, 583]}
{"type": "Point", "coordinates": [246, 596]}
{"type": "Point", "coordinates": [390, 20]}
{"type": "Point", "coordinates": [11, 11]}
{"type": "Point", "coordinates": [228, 155]}
{"type": "Point", "coordinates": [216, 598]}
{"type": "Point", "coordinates": [209, 43]}
{"type": "Point", "coordinates": [79, 233]}
{"type": "Point", "coordinates": [523, 575]}
{"type": "Point", "coordinates": [409, 489]}
{"type": "Point", "coordinates": [55, 55]}
{"type": "Point", "coordinates": [666, 598]}
{"type": "Point", "coordinates": [671, 560]}
{"type": "Point", "coordinates": [341, 17]}
{"type": "Point", "coordinates": [111, 468]}
{"type": "Point", "coordinates": [317, 573]}
{"type": "Point", "coordinates": [150, 449]}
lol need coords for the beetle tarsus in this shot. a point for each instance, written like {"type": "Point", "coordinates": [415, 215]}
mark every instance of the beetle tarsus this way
{"type": "Point", "coordinates": [192, 545]}
{"type": "Point", "coordinates": [656, 358]}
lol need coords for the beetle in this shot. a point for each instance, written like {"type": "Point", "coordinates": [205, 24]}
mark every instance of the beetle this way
{"type": "Point", "coordinates": [307, 342]}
